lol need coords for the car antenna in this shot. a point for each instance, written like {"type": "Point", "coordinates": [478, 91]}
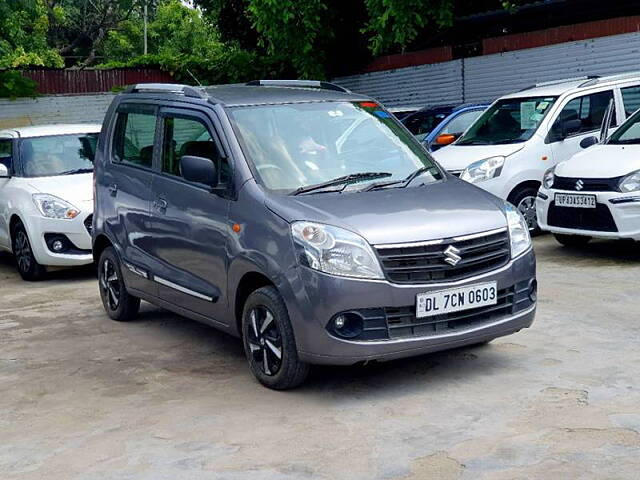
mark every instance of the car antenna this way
{"type": "Point", "coordinates": [194, 77]}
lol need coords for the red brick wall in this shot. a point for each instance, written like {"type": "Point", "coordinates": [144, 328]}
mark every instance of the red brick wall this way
{"type": "Point", "coordinates": [566, 33]}
{"type": "Point", "coordinates": [517, 41]}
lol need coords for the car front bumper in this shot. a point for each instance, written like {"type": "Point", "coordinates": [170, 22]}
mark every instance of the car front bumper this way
{"type": "Point", "coordinates": [74, 230]}
{"type": "Point", "coordinates": [624, 209]}
{"type": "Point", "coordinates": [314, 298]}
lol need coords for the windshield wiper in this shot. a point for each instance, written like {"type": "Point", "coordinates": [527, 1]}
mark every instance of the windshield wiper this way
{"type": "Point", "coordinates": [403, 183]}
{"type": "Point", "coordinates": [344, 180]}
{"type": "Point", "coordinates": [77, 170]}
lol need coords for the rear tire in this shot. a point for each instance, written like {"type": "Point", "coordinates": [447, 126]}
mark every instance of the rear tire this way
{"type": "Point", "coordinates": [572, 241]}
{"type": "Point", "coordinates": [28, 266]}
{"type": "Point", "coordinates": [269, 342]}
{"type": "Point", "coordinates": [117, 302]}
{"type": "Point", "coordinates": [524, 200]}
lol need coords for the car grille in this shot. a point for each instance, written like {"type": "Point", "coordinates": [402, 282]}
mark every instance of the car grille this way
{"type": "Point", "coordinates": [597, 219]}
{"type": "Point", "coordinates": [88, 224]}
{"type": "Point", "coordinates": [391, 323]}
{"type": "Point", "coordinates": [588, 184]}
{"type": "Point", "coordinates": [425, 263]}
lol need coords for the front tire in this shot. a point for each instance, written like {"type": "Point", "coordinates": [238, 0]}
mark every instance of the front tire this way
{"type": "Point", "coordinates": [28, 266]}
{"type": "Point", "coordinates": [525, 201]}
{"type": "Point", "coordinates": [572, 241]}
{"type": "Point", "coordinates": [117, 302]}
{"type": "Point", "coordinates": [269, 343]}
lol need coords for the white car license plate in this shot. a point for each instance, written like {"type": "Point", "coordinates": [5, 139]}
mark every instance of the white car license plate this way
{"type": "Point", "coordinates": [575, 200]}
{"type": "Point", "coordinates": [456, 299]}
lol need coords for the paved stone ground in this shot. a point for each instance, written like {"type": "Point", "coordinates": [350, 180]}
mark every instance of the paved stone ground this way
{"type": "Point", "coordinates": [82, 397]}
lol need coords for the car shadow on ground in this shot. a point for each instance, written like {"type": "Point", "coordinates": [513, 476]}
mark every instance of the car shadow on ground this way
{"type": "Point", "coordinates": [596, 251]}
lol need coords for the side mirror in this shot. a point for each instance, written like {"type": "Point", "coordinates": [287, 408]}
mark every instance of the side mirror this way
{"type": "Point", "coordinates": [445, 139]}
{"type": "Point", "coordinates": [199, 170]}
{"type": "Point", "coordinates": [571, 126]}
{"type": "Point", "coordinates": [588, 141]}
{"type": "Point", "coordinates": [4, 171]}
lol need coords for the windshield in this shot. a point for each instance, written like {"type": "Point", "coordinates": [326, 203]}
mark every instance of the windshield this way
{"type": "Point", "coordinates": [511, 120]}
{"type": "Point", "coordinates": [422, 124]}
{"type": "Point", "coordinates": [628, 132]}
{"type": "Point", "coordinates": [298, 145]}
{"type": "Point", "coordinates": [58, 155]}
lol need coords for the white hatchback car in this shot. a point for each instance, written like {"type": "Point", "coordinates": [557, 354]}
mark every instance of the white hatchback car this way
{"type": "Point", "coordinates": [596, 193]}
{"type": "Point", "coordinates": [521, 135]}
{"type": "Point", "coordinates": [46, 196]}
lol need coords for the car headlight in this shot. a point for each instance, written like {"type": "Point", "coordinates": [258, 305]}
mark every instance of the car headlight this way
{"type": "Point", "coordinates": [630, 183]}
{"type": "Point", "coordinates": [54, 207]}
{"type": "Point", "coordinates": [518, 231]}
{"type": "Point", "coordinates": [335, 251]}
{"type": "Point", "coordinates": [483, 170]}
{"type": "Point", "coordinates": [549, 178]}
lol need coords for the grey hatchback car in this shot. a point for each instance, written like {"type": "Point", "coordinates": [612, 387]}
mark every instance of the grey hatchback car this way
{"type": "Point", "coordinates": [304, 219]}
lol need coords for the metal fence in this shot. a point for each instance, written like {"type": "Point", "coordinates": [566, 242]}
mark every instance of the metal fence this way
{"type": "Point", "coordinates": [484, 78]}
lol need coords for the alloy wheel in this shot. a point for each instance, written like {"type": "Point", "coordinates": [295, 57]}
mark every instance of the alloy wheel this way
{"type": "Point", "coordinates": [265, 341]}
{"type": "Point", "coordinates": [110, 283]}
{"type": "Point", "coordinates": [23, 251]}
{"type": "Point", "coordinates": [527, 207]}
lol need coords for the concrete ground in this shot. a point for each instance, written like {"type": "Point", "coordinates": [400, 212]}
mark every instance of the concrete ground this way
{"type": "Point", "coordinates": [82, 397]}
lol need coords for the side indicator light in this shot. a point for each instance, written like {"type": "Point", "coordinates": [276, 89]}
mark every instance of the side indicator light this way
{"type": "Point", "coordinates": [236, 227]}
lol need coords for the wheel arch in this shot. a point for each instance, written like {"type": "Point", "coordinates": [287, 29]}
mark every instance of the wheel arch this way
{"type": "Point", "coordinates": [535, 184]}
{"type": "Point", "coordinates": [100, 243]}
{"type": "Point", "coordinates": [249, 283]}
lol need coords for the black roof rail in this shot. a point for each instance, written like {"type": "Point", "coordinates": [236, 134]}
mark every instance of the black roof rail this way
{"type": "Point", "coordinates": [176, 88]}
{"type": "Point", "coordinates": [298, 83]}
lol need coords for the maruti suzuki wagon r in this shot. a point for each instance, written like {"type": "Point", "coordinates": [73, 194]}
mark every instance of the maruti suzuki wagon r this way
{"type": "Point", "coordinates": [305, 219]}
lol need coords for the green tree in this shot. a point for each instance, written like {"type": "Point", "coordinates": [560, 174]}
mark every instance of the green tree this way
{"type": "Point", "coordinates": [395, 24]}
{"type": "Point", "coordinates": [23, 35]}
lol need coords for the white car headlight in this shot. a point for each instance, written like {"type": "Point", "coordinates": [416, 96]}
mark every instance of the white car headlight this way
{"type": "Point", "coordinates": [483, 170]}
{"type": "Point", "coordinates": [549, 178]}
{"type": "Point", "coordinates": [518, 231]}
{"type": "Point", "coordinates": [630, 183]}
{"type": "Point", "coordinates": [53, 207]}
{"type": "Point", "coordinates": [335, 251]}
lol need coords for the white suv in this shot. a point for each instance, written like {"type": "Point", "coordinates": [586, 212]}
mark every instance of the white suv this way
{"type": "Point", "coordinates": [523, 134]}
{"type": "Point", "coordinates": [46, 196]}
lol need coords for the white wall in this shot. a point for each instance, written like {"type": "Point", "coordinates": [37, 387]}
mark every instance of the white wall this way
{"type": "Point", "coordinates": [54, 109]}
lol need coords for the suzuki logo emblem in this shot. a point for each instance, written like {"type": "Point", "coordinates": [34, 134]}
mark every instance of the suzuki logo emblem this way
{"type": "Point", "coordinates": [452, 257]}
{"type": "Point", "coordinates": [579, 185]}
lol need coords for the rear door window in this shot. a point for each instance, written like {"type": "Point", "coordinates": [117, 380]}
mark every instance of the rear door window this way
{"type": "Point", "coordinates": [631, 99]}
{"type": "Point", "coordinates": [134, 136]}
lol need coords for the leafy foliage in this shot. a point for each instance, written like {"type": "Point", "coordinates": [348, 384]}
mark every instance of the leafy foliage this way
{"type": "Point", "coordinates": [23, 35]}
{"type": "Point", "coordinates": [14, 85]}
{"type": "Point", "coordinates": [397, 23]}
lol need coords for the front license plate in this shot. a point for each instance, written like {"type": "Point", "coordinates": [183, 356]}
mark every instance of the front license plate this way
{"type": "Point", "coordinates": [456, 299]}
{"type": "Point", "coordinates": [575, 201]}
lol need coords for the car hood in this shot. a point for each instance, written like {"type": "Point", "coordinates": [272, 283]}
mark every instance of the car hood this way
{"type": "Point", "coordinates": [438, 210]}
{"type": "Point", "coordinates": [458, 157]}
{"type": "Point", "coordinates": [601, 161]}
{"type": "Point", "coordinates": [75, 189]}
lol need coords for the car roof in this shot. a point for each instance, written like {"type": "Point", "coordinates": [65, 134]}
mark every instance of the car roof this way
{"type": "Point", "coordinates": [265, 93]}
{"type": "Point", "coordinates": [558, 87]}
{"type": "Point", "coordinates": [243, 95]}
{"type": "Point", "coordinates": [48, 130]}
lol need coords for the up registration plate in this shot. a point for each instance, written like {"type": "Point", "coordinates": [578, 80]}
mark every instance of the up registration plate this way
{"type": "Point", "coordinates": [456, 299]}
{"type": "Point", "coordinates": [575, 200]}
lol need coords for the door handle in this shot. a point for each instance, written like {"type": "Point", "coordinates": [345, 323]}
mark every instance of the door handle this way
{"type": "Point", "coordinates": [113, 189]}
{"type": "Point", "coordinates": [160, 204]}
